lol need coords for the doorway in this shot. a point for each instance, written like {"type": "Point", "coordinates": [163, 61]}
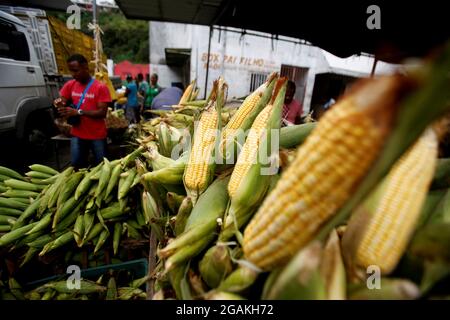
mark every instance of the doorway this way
{"type": "Point", "coordinates": [299, 76]}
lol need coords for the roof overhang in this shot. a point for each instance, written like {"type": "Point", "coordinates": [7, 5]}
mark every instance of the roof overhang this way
{"type": "Point", "coordinates": [336, 26]}
{"type": "Point", "coordinates": [58, 5]}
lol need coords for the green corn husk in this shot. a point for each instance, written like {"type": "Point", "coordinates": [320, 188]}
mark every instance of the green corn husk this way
{"type": "Point", "coordinates": [301, 278]}
{"type": "Point", "coordinates": [103, 181]}
{"type": "Point", "coordinates": [254, 185]}
{"type": "Point", "coordinates": [293, 136]}
{"type": "Point", "coordinates": [86, 287]}
{"type": "Point", "coordinates": [44, 169]}
{"type": "Point", "coordinates": [215, 265]}
{"type": "Point", "coordinates": [69, 187]}
{"type": "Point", "coordinates": [111, 292]}
{"type": "Point", "coordinates": [126, 186]}
{"type": "Point", "coordinates": [174, 201]}
{"type": "Point", "coordinates": [101, 241]}
{"type": "Point", "coordinates": [78, 230]}
{"type": "Point", "coordinates": [114, 180]}
{"type": "Point", "coordinates": [222, 295]}
{"type": "Point", "coordinates": [390, 289]}
{"type": "Point", "coordinates": [116, 237]}
{"type": "Point", "coordinates": [239, 280]}
{"type": "Point", "coordinates": [7, 172]}
{"type": "Point", "coordinates": [183, 215]}
{"type": "Point", "coordinates": [202, 222]}
{"type": "Point", "coordinates": [14, 235]}
{"type": "Point", "coordinates": [441, 179]}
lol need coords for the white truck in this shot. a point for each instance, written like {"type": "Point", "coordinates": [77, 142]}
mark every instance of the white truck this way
{"type": "Point", "coordinates": [26, 88]}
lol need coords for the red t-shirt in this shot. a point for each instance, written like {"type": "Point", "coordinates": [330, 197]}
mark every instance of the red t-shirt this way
{"type": "Point", "coordinates": [88, 128]}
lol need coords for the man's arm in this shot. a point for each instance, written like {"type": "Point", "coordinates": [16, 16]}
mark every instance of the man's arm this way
{"type": "Point", "coordinates": [102, 109]}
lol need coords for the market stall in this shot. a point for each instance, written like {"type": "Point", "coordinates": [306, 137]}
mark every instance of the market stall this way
{"type": "Point", "coordinates": [224, 203]}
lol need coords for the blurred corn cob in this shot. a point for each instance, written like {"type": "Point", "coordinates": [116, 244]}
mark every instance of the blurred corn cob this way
{"type": "Point", "coordinates": [327, 169]}
{"type": "Point", "coordinates": [381, 228]}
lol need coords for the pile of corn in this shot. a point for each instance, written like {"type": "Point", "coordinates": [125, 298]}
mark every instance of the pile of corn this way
{"type": "Point", "coordinates": [113, 285]}
{"type": "Point", "coordinates": [355, 206]}
{"type": "Point", "coordinates": [116, 119]}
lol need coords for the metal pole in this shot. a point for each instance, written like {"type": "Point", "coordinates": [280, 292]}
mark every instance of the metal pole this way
{"type": "Point", "coordinates": [207, 61]}
{"type": "Point", "coordinates": [94, 11]}
{"type": "Point", "coordinates": [374, 66]}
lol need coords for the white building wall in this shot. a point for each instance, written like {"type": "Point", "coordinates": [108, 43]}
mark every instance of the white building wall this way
{"type": "Point", "coordinates": [236, 57]}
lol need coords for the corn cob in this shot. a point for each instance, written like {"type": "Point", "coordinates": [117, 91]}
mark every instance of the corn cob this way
{"type": "Point", "coordinates": [15, 234]}
{"type": "Point", "coordinates": [390, 215]}
{"type": "Point", "coordinates": [200, 226]}
{"type": "Point", "coordinates": [186, 97]}
{"type": "Point", "coordinates": [183, 214]}
{"type": "Point", "coordinates": [342, 148]}
{"type": "Point", "coordinates": [69, 187]}
{"type": "Point", "coordinates": [11, 212]}
{"type": "Point", "coordinates": [249, 183]}
{"type": "Point", "coordinates": [244, 117]}
{"type": "Point", "coordinates": [13, 204]}
{"type": "Point", "coordinates": [20, 194]}
{"type": "Point", "coordinates": [38, 175]}
{"type": "Point", "coordinates": [10, 173]}
{"type": "Point", "coordinates": [22, 185]}
{"type": "Point", "coordinates": [215, 265]}
{"type": "Point", "coordinates": [126, 186]}
{"type": "Point", "coordinates": [7, 220]}
{"type": "Point", "coordinates": [104, 177]}
{"type": "Point", "coordinates": [115, 176]}
{"type": "Point", "coordinates": [43, 169]}
{"type": "Point", "coordinates": [199, 171]}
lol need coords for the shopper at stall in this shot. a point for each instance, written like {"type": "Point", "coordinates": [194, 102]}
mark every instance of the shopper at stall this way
{"type": "Point", "coordinates": [153, 90]}
{"type": "Point", "coordinates": [83, 102]}
{"type": "Point", "coordinates": [292, 109]}
{"type": "Point", "coordinates": [142, 86]}
{"type": "Point", "coordinates": [132, 110]}
{"type": "Point", "coordinates": [167, 98]}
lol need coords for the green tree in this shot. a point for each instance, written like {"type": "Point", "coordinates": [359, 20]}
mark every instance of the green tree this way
{"type": "Point", "coordinates": [123, 39]}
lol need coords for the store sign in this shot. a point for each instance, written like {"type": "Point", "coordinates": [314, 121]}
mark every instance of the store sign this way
{"type": "Point", "coordinates": [216, 60]}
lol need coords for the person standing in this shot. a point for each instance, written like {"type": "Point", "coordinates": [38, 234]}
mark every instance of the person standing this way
{"type": "Point", "coordinates": [84, 103]}
{"type": "Point", "coordinates": [153, 90]}
{"type": "Point", "coordinates": [142, 86]}
{"type": "Point", "coordinates": [132, 109]}
{"type": "Point", "coordinates": [292, 109]}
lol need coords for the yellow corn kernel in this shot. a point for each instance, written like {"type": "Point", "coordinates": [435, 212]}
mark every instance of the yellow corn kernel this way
{"type": "Point", "coordinates": [249, 152]}
{"type": "Point", "coordinates": [238, 118]}
{"type": "Point", "coordinates": [197, 170]}
{"type": "Point", "coordinates": [388, 230]}
{"type": "Point", "coordinates": [292, 214]}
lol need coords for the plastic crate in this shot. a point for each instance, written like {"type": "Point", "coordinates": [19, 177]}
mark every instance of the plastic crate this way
{"type": "Point", "coordinates": [139, 269]}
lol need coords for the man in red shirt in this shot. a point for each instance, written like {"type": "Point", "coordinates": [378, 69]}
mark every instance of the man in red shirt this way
{"type": "Point", "coordinates": [292, 109]}
{"type": "Point", "coordinates": [84, 100]}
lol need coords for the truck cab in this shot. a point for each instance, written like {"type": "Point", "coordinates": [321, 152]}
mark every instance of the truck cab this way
{"type": "Point", "coordinates": [25, 103]}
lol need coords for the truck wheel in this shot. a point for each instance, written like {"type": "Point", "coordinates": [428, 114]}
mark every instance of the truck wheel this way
{"type": "Point", "coordinates": [38, 131]}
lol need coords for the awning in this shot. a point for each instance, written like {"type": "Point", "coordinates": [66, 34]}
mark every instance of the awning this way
{"type": "Point", "coordinates": [407, 28]}
{"type": "Point", "coordinates": [356, 66]}
{"type": "Point", "coordinates": [58, 5]}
